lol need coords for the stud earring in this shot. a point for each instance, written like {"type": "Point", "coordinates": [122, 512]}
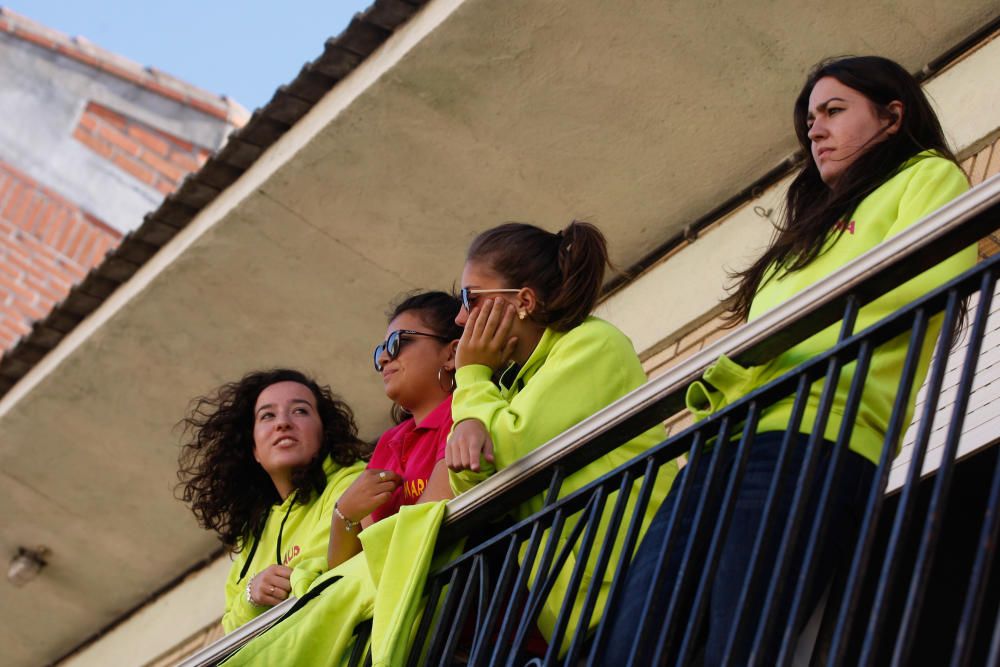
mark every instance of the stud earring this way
{"type": "Point", "coordinates": [521, 313]}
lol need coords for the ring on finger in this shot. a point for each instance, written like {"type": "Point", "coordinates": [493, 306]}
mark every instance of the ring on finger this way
{"type": "Point", "coordinates": [272, 590]}
{"type": "Point", "coordinates": [381, 476]}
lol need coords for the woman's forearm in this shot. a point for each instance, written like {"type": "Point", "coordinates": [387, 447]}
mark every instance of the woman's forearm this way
{"type": "Point", "coordinates": [343, 545]}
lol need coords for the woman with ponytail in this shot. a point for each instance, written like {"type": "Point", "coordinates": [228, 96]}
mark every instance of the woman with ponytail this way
{"type": "Point", "coordinates": [527, 297]}
{"type": "Point", "coordinates": [877, 162]}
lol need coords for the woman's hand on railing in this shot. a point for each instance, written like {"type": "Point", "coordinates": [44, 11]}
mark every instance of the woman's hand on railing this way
{"type": "Point", "coordinates": [468, 442]}
{"type": "Point", "coordinates": [271, 585]}
{"type": "Point", "coordinates": [368, 492]}
{"type": "Point", "coordinates": [486, 339]}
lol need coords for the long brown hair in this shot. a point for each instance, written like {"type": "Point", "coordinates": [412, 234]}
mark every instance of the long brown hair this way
{"type": "Point", "coordinates": [566, 269]}
{"type": "Point", "coordinates": [812, 209]}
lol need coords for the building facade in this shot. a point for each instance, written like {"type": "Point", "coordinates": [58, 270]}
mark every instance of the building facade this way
{"type": "Point", "coordinates": [366, 176]}
{"type": "Point", "coordinates": [92, 143]}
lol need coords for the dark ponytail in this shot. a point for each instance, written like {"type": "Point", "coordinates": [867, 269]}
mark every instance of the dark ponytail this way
{"type": "Point", "coordinates": [566, 269]}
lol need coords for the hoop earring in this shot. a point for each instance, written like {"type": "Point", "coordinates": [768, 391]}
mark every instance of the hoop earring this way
{"type": "Point", "coordinates": [451, 385]}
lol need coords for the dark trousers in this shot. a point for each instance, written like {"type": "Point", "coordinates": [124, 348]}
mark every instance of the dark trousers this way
{"type": "Point", "coordinates": [846, 504]}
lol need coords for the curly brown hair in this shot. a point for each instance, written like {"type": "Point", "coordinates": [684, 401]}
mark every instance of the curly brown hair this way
{"type": "Point", "coordinates": [220, 480]}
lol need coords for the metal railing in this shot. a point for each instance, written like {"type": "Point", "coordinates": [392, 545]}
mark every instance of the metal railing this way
{"type": "Point", "coordinates": [485, 603]}
{"type": "Point", "coordinates": [483, 606]}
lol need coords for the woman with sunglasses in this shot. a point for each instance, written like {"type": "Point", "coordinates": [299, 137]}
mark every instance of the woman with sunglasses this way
{"type": "Point", "coordinates": [527, 297]}
{"type": "Point", "coordinates": [877, 162]}
{"type": "Point", "coordinates": [417, 364]}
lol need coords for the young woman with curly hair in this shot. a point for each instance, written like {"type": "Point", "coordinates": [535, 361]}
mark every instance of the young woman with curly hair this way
{"type": "Point", "coordinates": [417, 364]}
{"type": "Point", "coordinates": [265, 461]}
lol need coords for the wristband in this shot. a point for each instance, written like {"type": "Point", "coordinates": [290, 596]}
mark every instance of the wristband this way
{"type": "Point", "coordinates": [349, 526]}
{"type": "Point", "coordinates": [250, 599]}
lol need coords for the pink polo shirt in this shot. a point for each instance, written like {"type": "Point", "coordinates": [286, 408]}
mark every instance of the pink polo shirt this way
{"type": "Point", "coordinates": [412, 450]}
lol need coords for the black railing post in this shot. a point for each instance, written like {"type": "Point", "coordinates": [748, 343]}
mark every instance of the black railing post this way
{"type": "Point", "coordinates": [711, 562]}
{"type": "Point", "coordinates": [538, 591]}
{"type": "Point", "coordinates": [798, 610]}
{"type": "Point", "coordinates": [765, 532]}
{"type": "Point", "coordinates": [900, 527]}
{"type": "Point", "coordinates": [517, 594]}
{"type": "Point", "coordinates": [770, 614]}
{"type": "Point", "coordinates": [582, 556]}
{"type": "Point", "coordinates": [700, 525]}
{"type": "Point", "coordinates": [480, 642]}
{"type": "Point", "coordinates": [472, 582]}
{"type": "Point", "coordinates": [628, 547]}
{"type": "Point", "coordinates": [876, 495]}
{"type": "Point", "coordinates": [942, 481]}
{"type": "Point", "coordinates": [451, 598]}
{"type": "Point", "coordinates": [986, 552]}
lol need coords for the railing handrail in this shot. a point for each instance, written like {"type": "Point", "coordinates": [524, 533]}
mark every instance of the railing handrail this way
{"type": "Point", "coordinates": [226, 644]}
{"type": "Point", "coordinates": [929, 240]}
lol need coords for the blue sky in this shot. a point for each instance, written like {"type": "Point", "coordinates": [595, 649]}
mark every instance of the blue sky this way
{"type": "Point", "coordinates": [241, 49]}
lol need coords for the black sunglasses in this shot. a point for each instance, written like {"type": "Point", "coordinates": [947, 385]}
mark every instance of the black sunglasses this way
{"type": "Point", "coordinates": [468, 293]}
{"type": "Point", "coordinates": [394, 343]}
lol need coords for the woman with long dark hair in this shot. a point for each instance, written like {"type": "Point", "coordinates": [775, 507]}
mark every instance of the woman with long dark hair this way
{"type": "Point", "coordinates": [877, 161]}
{"type": "Point", "coordinates": [527, 297]}
{"type": "Point", "coordinates": [417, 364]}
{"type": "Point", "coordinates": [265, 460]}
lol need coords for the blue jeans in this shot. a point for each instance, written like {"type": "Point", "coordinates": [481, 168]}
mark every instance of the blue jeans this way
{"type": "Point", "coordinates": [846, 505]}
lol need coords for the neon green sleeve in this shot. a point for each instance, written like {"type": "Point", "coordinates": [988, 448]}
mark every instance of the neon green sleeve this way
{"type": "Point", "coordinates": [935, 182]}
{"type": "Point", "coordinates": [305, 572]}
{"type": "Point", "coordinates": [588, 368]}
{"type": "Point", "coordinates": [238, 610]}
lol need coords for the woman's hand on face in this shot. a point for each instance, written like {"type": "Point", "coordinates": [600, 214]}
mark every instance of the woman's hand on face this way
{"type": "Point", "coordinates": [368, 492]}
{"type": "Point", "coordinates": [271, 585]}
{"type": "Point", "coordinates": [468, 441]}
{"type": "Point", "coordinates": [486, 339]}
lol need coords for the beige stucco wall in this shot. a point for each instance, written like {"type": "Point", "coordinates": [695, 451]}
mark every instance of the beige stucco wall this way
{"type": "Point", "coordinates": [187, 609]}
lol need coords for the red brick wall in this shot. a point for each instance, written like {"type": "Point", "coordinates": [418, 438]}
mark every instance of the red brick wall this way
{"type": "Point", "coordinates": [981, 165]}
{"type": "Point", "coordinates": [145, 153]}
{"type": "Point", "coordinates": [46, 245]}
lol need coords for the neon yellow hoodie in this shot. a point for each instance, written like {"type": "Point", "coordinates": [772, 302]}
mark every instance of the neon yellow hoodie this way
{"type": "Point", "coordinates": [568, 377]}
{"type": "Point", "coordinates": [924, 184]}
{"type": "Point", "coordinates": [303, 540]}
{"type": "Point", "coordinates": [384, 584]}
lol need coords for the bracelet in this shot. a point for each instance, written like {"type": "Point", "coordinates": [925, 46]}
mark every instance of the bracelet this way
{"type": "Point", "coordinates": [349, 525]}
{"type": "Point", "coordinates": [250, 599]}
